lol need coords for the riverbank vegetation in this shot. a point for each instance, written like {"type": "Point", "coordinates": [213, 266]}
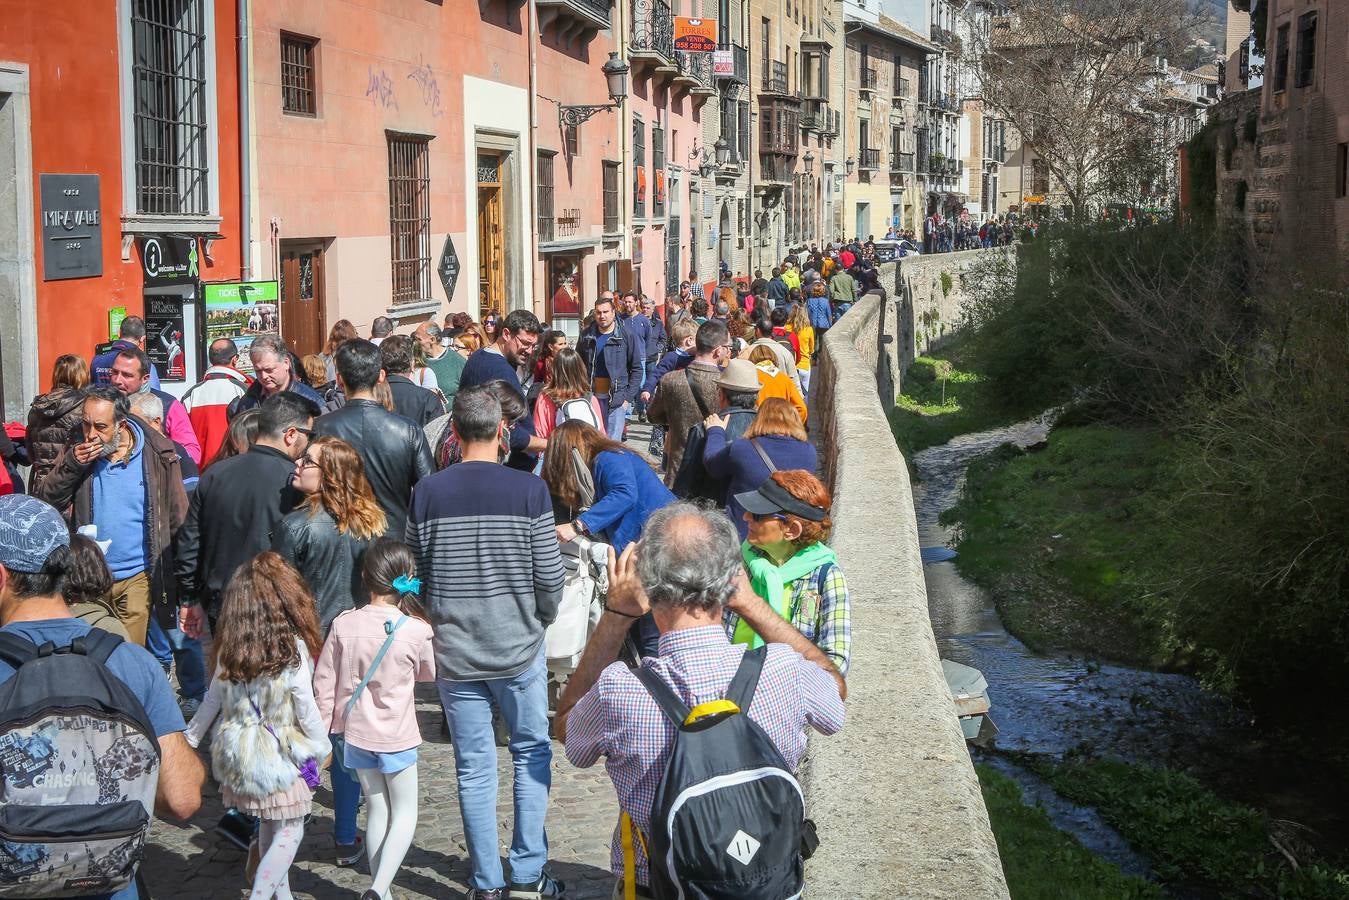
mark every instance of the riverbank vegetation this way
{"type": "Point", "coordinates": [1042, 862]}
{"type": "Point", "coordinates": [944, 395]}
{"type": "Point", "coordinates": [1192, 505]}
{"type": "Point", "coordinates": [1197, 843]}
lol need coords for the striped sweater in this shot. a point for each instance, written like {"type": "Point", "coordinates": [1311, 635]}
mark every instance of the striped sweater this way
{"type": "Point", "coordinates": [490, 567]}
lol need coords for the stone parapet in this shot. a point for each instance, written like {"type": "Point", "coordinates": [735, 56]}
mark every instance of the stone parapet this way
{"type": "Point", "coordinates": [894, 794]}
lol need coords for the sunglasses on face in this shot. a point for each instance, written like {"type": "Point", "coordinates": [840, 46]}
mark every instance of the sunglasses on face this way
{"type": "Point", "coordinates": [763, 517]}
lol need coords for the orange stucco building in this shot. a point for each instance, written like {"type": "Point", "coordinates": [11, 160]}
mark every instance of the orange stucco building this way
{"type": "Point", "coordinates": [118, 132]}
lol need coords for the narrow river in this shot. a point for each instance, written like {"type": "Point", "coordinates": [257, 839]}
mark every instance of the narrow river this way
{"type": "Point", "coordinates": [1052, 703]}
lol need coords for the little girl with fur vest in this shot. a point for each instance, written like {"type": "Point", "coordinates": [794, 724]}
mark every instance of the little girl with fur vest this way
{"type": "Point", "coordinates": [269, 739]}
{"type": "Point", "coordinates": [364, 689]}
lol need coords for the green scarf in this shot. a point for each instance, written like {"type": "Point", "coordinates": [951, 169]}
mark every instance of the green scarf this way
{"type": "Point", "coordinates": [773, 582]}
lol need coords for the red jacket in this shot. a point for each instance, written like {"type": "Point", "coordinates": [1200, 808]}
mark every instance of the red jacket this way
{"type": "Point", "coordinates": [207, 403]}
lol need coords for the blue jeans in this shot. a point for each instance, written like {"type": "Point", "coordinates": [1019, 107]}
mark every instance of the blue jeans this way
{"type": "Point", "coordinates": [173, 646]}
{"type": "Point", "coordinates": [615, 418]}
{"type": "Point", "coordinates": [523, 701]}
{"type": "Point", "coordinates": [346, 799]}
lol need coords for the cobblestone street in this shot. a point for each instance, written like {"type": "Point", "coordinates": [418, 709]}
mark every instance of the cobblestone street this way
{"type": "Point", "coordinates": [192, 861]}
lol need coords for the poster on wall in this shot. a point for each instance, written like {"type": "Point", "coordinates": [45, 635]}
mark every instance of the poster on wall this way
{"type": "Point", "coordinates": [241, 311]}
{"type": "Point", "coordinates": [164, 333]}
{"type": "Point", "coordinates": [564, 284]}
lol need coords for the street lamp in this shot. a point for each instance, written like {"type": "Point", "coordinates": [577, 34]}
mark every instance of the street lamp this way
{"type": "Point", "coordinates": [721, 152]}
{"type": "Point", "coordinates": [809, 160]}
{"type": "Point", "coordinates": [850, 164]}
{"type": "Point", "coordinates": [616, 79]}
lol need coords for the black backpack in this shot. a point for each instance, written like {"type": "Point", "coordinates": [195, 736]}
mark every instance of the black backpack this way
{"type": "Point", "coordinates": [79, 764]}
{"type": "Point", "coordinates": [728, 820]}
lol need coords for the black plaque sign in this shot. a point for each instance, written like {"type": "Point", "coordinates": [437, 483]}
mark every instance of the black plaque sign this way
{"type": "Point", "coordinates": [72, 227]}
{"type": "Point", "coordinates": [169, 259]}
{"type": "Point", "coordinates": [448, 267]}
{"type": "Point", "coordinates": [164, 336]}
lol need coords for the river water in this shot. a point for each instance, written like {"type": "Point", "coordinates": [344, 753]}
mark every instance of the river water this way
{"type": "Point", "coordinates": [1053, 703]}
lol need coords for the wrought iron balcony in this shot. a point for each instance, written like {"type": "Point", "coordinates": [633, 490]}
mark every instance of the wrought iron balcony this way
{"type": "Point", "coordinates": [576, 16]}
{"type": "Point", "coordinates": [869, 158]}
{"type": "Point", "coordinates": [775, 77]}
{"type": "Point", "coordinates": [901, 162]}
{"type": "Point", "coordinates": [776, 168]}
{"type": "Point", "coordinates": [816, 116]}
{"type": "Point", "coordinates": [869, 79]}
{"type": "Point", "coordinates": [695, 70]}
{"type": "Point", "coordinates": [652, 31]}
{"type": "Point", "coordinates": [741, 57]}
{"type": "Point", "coordinates": [903, 89]}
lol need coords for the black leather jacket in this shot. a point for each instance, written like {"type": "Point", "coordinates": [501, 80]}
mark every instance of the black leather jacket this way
{"type": "Point", "coordinates": [328, 559]}
{"type": "Point", "coordinates": [412, 401]}
{"type": "Point", "coordinates": [393, 448]}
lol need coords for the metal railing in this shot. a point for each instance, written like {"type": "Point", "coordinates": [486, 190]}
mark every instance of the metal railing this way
{"type": "Point", "coordinates": [653, 28]}
{"type": "Point", "coordinates": [741, 57]}
{"type": "Point", "coordinates": [869, 79]}
{"type": "Point", "coordinates": [903, 90]}
{"type": "Point", "coordinates": [901, 162]}
{"type": "Point", "coordinates": [775, 77]}
{"type": "Point", "coordinates": [816, 116]}
{"type": "Point", "coordinates": [869, 158]}
{"type": "Point", "coordinates": [697, 66]}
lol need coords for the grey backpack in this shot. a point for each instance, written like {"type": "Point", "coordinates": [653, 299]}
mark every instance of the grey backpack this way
{"type": "Point", "coordinates": [79, 764]}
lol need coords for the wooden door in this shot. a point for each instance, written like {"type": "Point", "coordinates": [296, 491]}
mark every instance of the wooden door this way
{"type": "Point", "coordinates": [303, 311]}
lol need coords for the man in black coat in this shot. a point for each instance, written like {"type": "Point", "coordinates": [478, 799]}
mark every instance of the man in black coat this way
{"type": "Point", "coordinates": [237, 504]}
{"type": "Point", "coordinates": [410, 400]}
{"type": "Point", "coordinates": [393, 448]}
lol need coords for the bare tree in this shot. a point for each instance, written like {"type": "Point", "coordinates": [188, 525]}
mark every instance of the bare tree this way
{"type": "Point", "coordinates": [1074, 78]}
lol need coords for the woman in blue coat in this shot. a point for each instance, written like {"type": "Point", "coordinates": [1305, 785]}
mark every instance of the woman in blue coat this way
{"type": "Point", "coordinates": [775, 437]}
{"type": "Point", "coordinates": [623, 492]}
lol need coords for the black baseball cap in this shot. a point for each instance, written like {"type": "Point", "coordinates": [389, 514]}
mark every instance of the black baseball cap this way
{"type": "Point", "coordinates": [771, 497]}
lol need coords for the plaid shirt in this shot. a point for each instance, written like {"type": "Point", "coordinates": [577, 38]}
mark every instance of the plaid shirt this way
{"type": "Point", "coordinates": [824, 617]}
{"type": "Point", "coordinates": [619, 720]}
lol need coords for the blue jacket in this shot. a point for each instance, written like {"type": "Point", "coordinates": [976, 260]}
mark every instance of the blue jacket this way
{"type": "Point", "coordinates": [100, 370]}
{"type": "Point", "coordinates": [739, 462]}
{"type": "Point", "coordinates": [777, 291]}
{"type": "Point", "coordinates": [656, 343]}
{"type": "Point", "coordinates": [253, 398]}
{"type": "Point", "coordinates": [623, 359]}
{"type": "Point", "coordinates": [821, 313]}
{"type": "Point", "coordinates": [670, 362]}
{"type": "Point", "coordinates": [627, 492]}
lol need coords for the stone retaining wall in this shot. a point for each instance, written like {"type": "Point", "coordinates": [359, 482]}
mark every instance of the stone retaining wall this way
{"type": "Point", "coordinates": [930, 307]}
{"type": "Point", "coordinates": [895, 795]}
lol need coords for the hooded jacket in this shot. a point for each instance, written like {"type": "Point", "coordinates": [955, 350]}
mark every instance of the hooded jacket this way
{"type": "Point", "coordinates": [207, 404]}
{"type": "Point", "coordinates": [51, 420]}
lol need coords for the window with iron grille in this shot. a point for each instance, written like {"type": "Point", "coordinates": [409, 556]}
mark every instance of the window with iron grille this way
{"type": "Point", "coordinates": [610, 197]}
{"type": "Point", "coordinates": [729, 129]}
{"type": "Point", "coordinates": [743, 140]}
{"type": "Point", "coordinates": [544, 181]}
{"type": "Point", "coordinates": [410, 217]}
{"type": "Point", "coordinates": [1306, 49]}
{"type": "Point", "coordinates": [298, 97]}
{"type": "Point", "coordinates": [569, 140]}
{"type": "Point", "coordinates": [657, 171]}
{"type": "Point", "coordinates": [168, 46]}
{"type": "Point", "coordinates": [638, 168]}
{"type": "Point", "coordinates": [1281, 58]}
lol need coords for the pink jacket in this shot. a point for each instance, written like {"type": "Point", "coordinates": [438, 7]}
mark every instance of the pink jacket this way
{"type": "Point", "coordinates": [384, 719]}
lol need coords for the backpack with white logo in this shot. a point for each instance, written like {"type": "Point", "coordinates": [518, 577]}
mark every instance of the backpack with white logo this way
{"type": "Point", "coordinates": [728, 819]}
{"type": "Point", "coordinates": [79, 764]}
{"type": "Point", "coordinates": [578, 409]}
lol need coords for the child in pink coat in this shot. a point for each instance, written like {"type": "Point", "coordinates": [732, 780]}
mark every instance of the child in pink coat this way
{"type": "Point", "coordinates": [363, 687]}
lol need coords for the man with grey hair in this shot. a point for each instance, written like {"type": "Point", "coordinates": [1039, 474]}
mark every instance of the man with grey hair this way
{"type": "Point", "coordinates": [686, 571]}
{"type": "Point", "coordinates": [491, 572]}
{"type": "Point", "coordinates": [440, 359]}
{"type": "Point", "coordinates": [275, 370]}
{"type": "Point", "coordinates": [381, 328]}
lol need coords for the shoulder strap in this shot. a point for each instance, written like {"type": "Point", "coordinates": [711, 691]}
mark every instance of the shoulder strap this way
{"type": "Point", "coordinates": [821, 578]}
{"type": "Point", "coordinates": [16, 650]}
{"type": "Point", "coordinates": [754, 442]}
{"type": "Point", "coordinates": [741, 691]}
{"type": "Point", "coordinates": [675, 710]}
{"type": "Point", "coordinates": [697, 397]}
{"type": "Point", "coordinates": [390, 628]}
{"type": "Point", "coordinates": [98, 644]}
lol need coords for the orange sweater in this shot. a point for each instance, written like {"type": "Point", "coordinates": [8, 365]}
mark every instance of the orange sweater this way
{"type": "Point", "coordinates": [773, 382]}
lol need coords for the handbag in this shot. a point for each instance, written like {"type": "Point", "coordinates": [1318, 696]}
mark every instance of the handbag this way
{"type": "Point", "coordinates": [339, 741]}
{"type": "Point", "coordinates": [309, 769]}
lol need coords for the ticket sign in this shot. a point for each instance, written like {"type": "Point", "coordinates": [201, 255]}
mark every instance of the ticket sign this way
{"type": "Point", "coordinates": [695, 35]}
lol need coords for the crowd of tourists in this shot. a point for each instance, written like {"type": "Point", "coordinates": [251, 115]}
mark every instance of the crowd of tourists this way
{"type": "Point", "coordinates": [296, 542]}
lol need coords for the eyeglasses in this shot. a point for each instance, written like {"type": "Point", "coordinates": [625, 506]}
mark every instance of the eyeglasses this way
{"type": "Point", "coordinates": [307, 432]}
{"type": "Point", "coordinates": [761, 517]}
{"type": "Point", "coordinates": [306, 463]}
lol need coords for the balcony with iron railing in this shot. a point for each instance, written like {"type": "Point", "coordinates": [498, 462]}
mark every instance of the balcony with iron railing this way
{"type": "Point", "coordinates": [900, 161]}
{"type": "Point", "coordinates": [577, 16]}
{"type": "Point", "coordinates": [869, 158]}
{"type": "Point", "coordinates": [695, 71]}
{"type": "Point", "coordinates": [652, 33]}
{"type": "Point", "coordinates": [775, 77]}
{"type": "Point", "coordinates": [816, 116]}
{"type": "Point", "coordinates": [740, 57]}
{"type": "Point", "coordinates": [869, 78]}
{"type": "Point", "coordinates": [903, 89]}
